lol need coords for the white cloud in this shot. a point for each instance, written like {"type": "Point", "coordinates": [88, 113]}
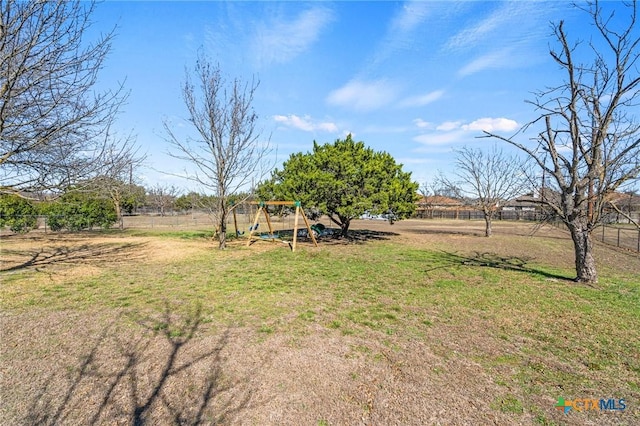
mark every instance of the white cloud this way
{"type": "Point", "coordinates": [305, 123]}
{"type": "Point", "coordinates": [487, 124]}
{"type": "Point", "coordinates": [419, 122]}
{"type": "Point", "coordinates": [280, 40]}
{"type": "Point", "coordinates": [422, 100]}
{"type": "Point", "coordinates": [447, 126]}
{"type": "Point", "coordinates": [363, 95]}
{"type": "Point", "coordinates": [450, 132]}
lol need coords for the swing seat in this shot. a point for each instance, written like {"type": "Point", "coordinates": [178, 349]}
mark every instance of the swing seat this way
{"type": "Point", "coordinates": [318, 229]}
{"type": "Point", "coordinates": [270, 236]}
{"type": "Point", "coordinates": [254, 227]}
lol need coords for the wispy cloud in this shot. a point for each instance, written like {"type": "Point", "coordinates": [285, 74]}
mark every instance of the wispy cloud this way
{"type": "Point", "coordinates": [305, 123]}
{"type": "Point", "coordinates": [440, 138]}
{"type": "Point", "coordinates": [508, 19]}
{"type": "Point", "coordinates": [474, 34]}
{"type": "Point", "coordinates": [281, 39]}
{"type": "Point", "coordinates": [422, 100]}
{"type": "Point", "coordinates": [450, 132]}
{"type": "Point", "coordinates": [364, 95]}
{"type": "Point", "coordinates": [402, 31]}
{"type": "Point", "coordinates": [492, 60]}
{"type": "Point", "coordinates": [412, 14]}
{"type": "Point", "coordinates": [506, 35]}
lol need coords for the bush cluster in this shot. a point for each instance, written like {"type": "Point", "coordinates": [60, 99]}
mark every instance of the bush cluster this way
{"type": "Point", "coordinates": [19, 214]}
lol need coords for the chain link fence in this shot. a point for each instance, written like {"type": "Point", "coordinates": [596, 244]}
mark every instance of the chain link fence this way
{"type": "Point", "coordinates": [624, 236]}
{"type": "Point", "coordinates": [196, 220]}
{"type": "Point", "coordinates": [620, 236]}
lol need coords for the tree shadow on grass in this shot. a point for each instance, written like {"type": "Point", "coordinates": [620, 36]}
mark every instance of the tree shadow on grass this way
{"type": "Point", "coordinates": [356, 236]}
{"type": "Point", "coordinates": [443, 260]}
{"type": "Point", "coordinates": [461, 232]}
{"type": "Point", "coordinates": [73, 254]}
{"type": "Point", "coordinates": [332, 237]}
{"type": "Point", "coordinates": [161, 375]}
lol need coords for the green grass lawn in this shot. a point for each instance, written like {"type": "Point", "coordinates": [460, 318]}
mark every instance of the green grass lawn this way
{"type": "Point", "coordinates": [533, 330]}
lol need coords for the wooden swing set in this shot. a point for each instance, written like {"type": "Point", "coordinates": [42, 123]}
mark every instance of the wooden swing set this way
{"type": "Point", "coordinates": [273, 236]}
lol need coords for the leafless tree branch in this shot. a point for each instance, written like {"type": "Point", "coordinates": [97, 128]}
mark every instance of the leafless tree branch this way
{"type": "Point", "coordinates": [52, 122]}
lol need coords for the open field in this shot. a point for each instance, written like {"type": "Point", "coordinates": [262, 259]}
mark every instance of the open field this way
{"type": "Point", "coordinates": [421, 322]}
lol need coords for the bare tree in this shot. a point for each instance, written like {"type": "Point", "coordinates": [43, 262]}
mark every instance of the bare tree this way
{"type": "Point", "coordinates": [589, 146]}
{"type": "Point", "coordinates": [162, 196]}
{"type": "Point", "coordinates": [52, 122]}
{"type": "Point", "coordinates": [486, 180]}
{"type": "Point", "coordinates": [117, 178]}
{"type": "Point", "coordinates": [227, 152]}
{"type": "Point", "coordinates": [434, 193]}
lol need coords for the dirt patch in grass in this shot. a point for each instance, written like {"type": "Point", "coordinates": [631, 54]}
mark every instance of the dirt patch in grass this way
{"type": "Point", "coordinates": [94, 368]}
{"type": "Point", "coordinates": [69, 251]}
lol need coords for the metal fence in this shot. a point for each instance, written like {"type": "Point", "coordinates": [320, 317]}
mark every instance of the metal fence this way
{"type": "Point", "coordinates": [627, 237]}
{"type": "Point", "coordinates": [198, 220]}
{"type": "Point", "coordinates": [619, 236]}
{"type": "Point", "coordinates": [192, 220]}
{"type": "Point", "coordinates": [472, 214]}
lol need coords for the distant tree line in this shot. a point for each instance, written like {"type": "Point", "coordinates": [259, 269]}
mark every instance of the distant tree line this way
{"type": "Point", "coordinates": [98, 205]}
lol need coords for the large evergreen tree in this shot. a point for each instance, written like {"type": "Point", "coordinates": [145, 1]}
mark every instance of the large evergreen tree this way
{"type": "Point", "coordinates": [343, 180]}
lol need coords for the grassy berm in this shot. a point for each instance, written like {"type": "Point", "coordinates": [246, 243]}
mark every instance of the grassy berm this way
{"type": "Point", "coordinates": [416, 323]}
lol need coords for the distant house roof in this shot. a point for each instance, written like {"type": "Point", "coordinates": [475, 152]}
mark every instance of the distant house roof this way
{"type": "Point", "coordinates": [524, 201]}
{"type": "Point", "coordinates": [620, 199]}
{"type": "Point", "coordinates": [625, 201]}
{"type": "Point", "coordinates": [435, 201]}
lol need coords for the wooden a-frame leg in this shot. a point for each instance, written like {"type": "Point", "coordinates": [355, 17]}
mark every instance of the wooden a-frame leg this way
{"type": "Point", "coordinates": [253, 227]}
{"type": "Point", "coordinates": [309, 230]}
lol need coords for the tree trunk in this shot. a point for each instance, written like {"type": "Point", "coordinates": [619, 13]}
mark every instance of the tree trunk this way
{"type": "Point", "coordinates": [344, 226]}
{"type": "Point", "coordinates": [115, 197]}
{"type": "Point", "coordinates": [342, 222]}
{"type": "Point", "coordinates": [583, 247]}
{"type": "Point", "coordinates": [119, 214]}
{"type": "Point", "coordinates": [487, 227]}
{"type": "Point", "coordinates": [222, 226]}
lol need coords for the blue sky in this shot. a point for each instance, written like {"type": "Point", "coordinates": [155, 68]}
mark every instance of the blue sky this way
{"type": "Point", "coordinates": [415, 79]}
